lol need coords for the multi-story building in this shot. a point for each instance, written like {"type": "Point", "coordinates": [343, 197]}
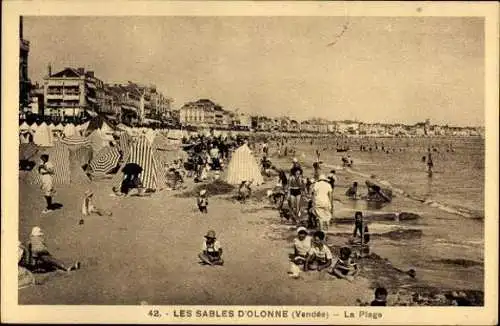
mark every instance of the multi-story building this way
{"type": "Point", "coordinates": [241, 120]}
{"type": "Point", "coordinates": [70, 92]}
{"type": "Point", "coordinates": [203, 113]}
{"type": "Point", "coordinates": [24, 81]}
{"type": "Point", "coordinates": [36, 100]}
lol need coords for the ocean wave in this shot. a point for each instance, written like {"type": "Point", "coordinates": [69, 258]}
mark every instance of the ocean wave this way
{"type": "Point", "coordinates": [464, 212]}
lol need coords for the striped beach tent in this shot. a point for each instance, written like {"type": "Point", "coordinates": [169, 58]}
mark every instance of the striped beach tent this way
{"type": "Point", "coordinates": [105, 161]}
{"type": "Point", "coordinates": [98, 141]}
{"type": "Point", "coordinates": [75, 141]}
{"type": "Point", "coordinates": [153, 176]}
{"type": "Point", "coordinates": [27, 151]}
{"type": "Point", "coordinates": [77, 174]}
{"type": "Point", "coordinates": [59, 156]}
{"type": "Point", "coordinates": [243, 167]}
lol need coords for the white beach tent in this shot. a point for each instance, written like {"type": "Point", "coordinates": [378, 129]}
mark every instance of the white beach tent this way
{"type": "Point", "coordinates": [69, 130]}
{"type": "Point", "coordinates": [24, 126]}
{"type": "Point", "coordinates": [33, 127]}
{"type": "Point", "coordinates": [43, 136]}
{"type": "Point", "coordinates": [243, 167]}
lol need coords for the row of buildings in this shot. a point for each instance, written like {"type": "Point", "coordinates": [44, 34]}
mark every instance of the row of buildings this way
{"type": "Point", "coordinates": [69, 93]}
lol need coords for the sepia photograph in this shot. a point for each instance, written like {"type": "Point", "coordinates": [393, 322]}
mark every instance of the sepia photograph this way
{"type": "Point", "coordinates": [252, 162]}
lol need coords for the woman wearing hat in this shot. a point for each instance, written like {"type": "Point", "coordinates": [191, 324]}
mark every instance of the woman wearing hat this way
{"type": "Point", "coordinates": [211, 250]}
{"type": "Point", "coordinates": [323, 201]}
{"type": "Point", "coordinates": [40, 253]}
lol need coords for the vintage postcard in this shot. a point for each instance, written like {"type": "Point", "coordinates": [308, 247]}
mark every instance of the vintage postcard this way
{"type": "Point", "coordinates": [250, 162]}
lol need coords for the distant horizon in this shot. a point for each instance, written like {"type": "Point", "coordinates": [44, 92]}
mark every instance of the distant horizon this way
{"type": "Point", "coordinates": [333, 68]}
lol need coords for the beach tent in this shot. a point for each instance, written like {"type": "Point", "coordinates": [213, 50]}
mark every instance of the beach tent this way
{"type": "Point", "coordinates": [98, 140]}
{"type": "Point", "coordinates": [69, 130]}
{"type": "Point", "coordinates": [27, 151]}
{"type": "Point", "coordinates": [33, 127]}
{"type": "Point", "coordinates": [78, 159]}
{"type": "Point", "coordinates": [99, 122]}
{"type": "Point", "coordinates": [75, 141]}
{"type": "Point", "coordinates": [43, 136]}
{"type": "Point", "coordinates": [153, 175]}
{"type": "Point", "coordinates": [58, 127]}
{"type": "Point", "coordinates": [24, 126]}
{"type": "Point", "coordinates": [243, 167]}
{"type": "Point", "coordinates": [59, 156]}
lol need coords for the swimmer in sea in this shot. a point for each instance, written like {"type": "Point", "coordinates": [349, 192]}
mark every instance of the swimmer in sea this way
{"type": "Point", "coordinates": [430, 165]}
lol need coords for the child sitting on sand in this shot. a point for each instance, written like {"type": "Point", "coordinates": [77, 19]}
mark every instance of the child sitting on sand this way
{"type": "Point", "coordinates": [344, 268]}
{"type": "Point", "coordinates": [319, 256]}
{"type": "Point", "coordinates": [380, 298]}
{"type": "Point", "coordinates": [244, 191]}
{"type": "Point", "coordinates": [40, 253]}
{"type": "Point", "coordinates": [88, 207]}
{"type": "Point", "coordinates": [211, 250]}
{"type": "Point", "coordinates": [301, 246]}
{"type": "Point", "coordinates": [202, 201]}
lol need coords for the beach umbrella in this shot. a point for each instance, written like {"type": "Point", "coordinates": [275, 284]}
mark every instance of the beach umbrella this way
{"type": "Point", "coordinates": [106, 159]}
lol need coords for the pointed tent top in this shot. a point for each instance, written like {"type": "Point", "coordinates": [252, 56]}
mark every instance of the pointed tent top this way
{"type": "Point", "coordinates": [33, 126]}
{"type": "Point", "coordinates": [24, 126]}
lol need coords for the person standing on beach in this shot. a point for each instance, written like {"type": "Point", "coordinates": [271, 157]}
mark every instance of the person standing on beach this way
{"type": "Point", "coordinates": [295, 191]}
{"type": "Point", "coordinates": [46, 170]}
{"type": "Point", "coordinates": [430, 164]}
{"type": "Point", "coordinates": [323, 202]}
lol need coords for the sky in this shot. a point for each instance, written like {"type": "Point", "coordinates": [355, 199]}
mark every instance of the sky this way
{"type": "Point", "coordinates": [372, 69]}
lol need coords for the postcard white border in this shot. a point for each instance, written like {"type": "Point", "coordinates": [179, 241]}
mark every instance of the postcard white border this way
{"type": "Point", "coordinates": [12, 312]}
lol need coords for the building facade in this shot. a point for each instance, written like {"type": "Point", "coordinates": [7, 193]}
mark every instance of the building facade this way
{"type": "Point", "coordinates": [24, 81]}
{"type": "Point", "coordinates": [70, 92]}
{"type": "Point", "coordinates": [203, 113]}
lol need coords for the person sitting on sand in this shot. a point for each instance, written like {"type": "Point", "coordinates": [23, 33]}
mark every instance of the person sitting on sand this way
{"type": "Point", "coordinates": [344, 268]}
{"type": "Point", "coordinates": [319, 256]}
{"type": "Point", "coordinates": [380, 298]}
{"type": "Point", "coordinates": [88, 207]}
{"type": "Point", "coordinates": [40, 253]}
{"type": "Point", "coordinates": [301, 246]}
{"type": "Point", "coordinates": [245, 191]}
{"type": "Point", "coordinates": [211, 250]}
{"type": "Point", "coordinates": [352, 192]}
{"type": "Point", "coordinates": [202, 201]}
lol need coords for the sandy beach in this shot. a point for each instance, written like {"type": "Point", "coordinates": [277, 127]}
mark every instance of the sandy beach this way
{"type": "Point", "coordinates": [146, 252]}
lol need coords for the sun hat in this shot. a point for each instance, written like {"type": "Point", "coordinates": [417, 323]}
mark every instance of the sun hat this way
{"type": "Point", "coordinates": [210, 234]}
{"type": "Point", "coordinates": [36, 231]}
{"type": "Point", "coordinates": [301, 229]}
{"type": "Point", "coordinates": [322, 177]}
{"type": "Point", "coordinates": [88, 193]}
{"type": "Point", "coordinates": [202, 192]}
{"type": "Point", "coordinates": [295, 160]}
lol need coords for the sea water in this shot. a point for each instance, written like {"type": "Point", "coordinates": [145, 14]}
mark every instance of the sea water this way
{"type": "Point", "coordinates": [450, 252]}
